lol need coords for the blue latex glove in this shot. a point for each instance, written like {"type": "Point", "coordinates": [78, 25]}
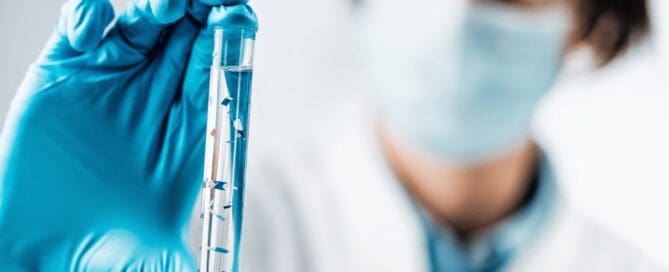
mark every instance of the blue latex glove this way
{"type": "Point", "coordinates": [101, 155]}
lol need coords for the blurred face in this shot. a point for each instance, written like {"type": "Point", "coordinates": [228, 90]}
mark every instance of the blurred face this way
{"type": "Point", "coordinates": [461, 80]}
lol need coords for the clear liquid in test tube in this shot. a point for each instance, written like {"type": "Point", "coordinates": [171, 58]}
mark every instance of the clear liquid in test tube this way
{"type": "Point", "coordinates": [225, 149]}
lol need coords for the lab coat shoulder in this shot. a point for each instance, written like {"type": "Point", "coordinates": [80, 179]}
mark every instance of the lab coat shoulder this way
{"type": "Point", "coordinates": [324, 208]}
{"type": "Point", "coordinates": [573, 242]}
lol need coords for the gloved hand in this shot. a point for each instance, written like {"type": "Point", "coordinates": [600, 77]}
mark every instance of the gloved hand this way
{"type": "Point", "coordinates": [101, 155]}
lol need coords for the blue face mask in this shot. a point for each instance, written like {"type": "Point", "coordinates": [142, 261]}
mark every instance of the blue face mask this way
{"type": "Point", "coordinates": [465, 92]}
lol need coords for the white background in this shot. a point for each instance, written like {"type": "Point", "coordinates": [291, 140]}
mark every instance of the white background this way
{"type": "Point", "coordinates": [608, 133]}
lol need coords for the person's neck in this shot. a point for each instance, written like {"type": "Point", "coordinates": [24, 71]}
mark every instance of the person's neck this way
{"type": "Point", "coordinates": [468, 199]}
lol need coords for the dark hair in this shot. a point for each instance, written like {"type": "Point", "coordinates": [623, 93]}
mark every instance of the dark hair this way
{"type": "Point", "coordinates": [610, 26]}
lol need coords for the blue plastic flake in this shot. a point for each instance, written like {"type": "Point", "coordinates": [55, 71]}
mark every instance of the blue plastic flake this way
{"type": "Point", "coordinates": [220, 185]}
{"type": "Point", "coordinates": [220, 250]}
{"type": "Point", "coordinates": [226, 101]}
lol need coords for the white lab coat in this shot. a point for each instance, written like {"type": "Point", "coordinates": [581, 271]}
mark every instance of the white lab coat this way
{"type": "Point", "coordinates": [329, 203]}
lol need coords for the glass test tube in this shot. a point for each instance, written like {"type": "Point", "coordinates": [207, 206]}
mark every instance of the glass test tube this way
{"type": "Point", "coordinates": [225, 149]}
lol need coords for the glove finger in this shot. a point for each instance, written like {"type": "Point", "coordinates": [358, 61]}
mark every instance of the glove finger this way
{"type": "Point", "coordinates": [144, 21]}
{"type": "Point", "coordinates": [171, 66]}
{"type": "Point", "coordinates": [196, 80]}
{"type": "Point", "coordinates": [120, 250]}
{"type": "Point", "coordinates": [83, 23]}
{"type": "Point", "coordinates": [223, 2]}
{"type": "Point", "coordinates": [199, 9]}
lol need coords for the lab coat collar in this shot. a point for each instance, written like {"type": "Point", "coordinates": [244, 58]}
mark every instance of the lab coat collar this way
{"type": "Point", "coordinates": [494, 250]}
